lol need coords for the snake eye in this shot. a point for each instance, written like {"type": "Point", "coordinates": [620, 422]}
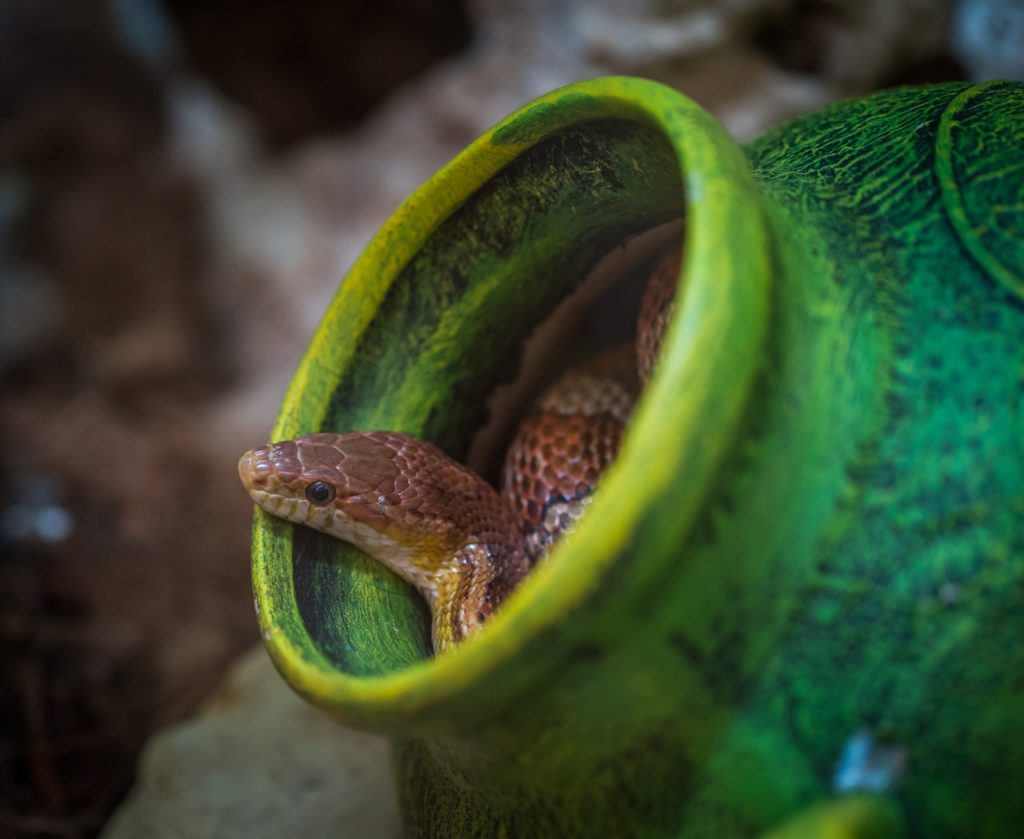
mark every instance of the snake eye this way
{"type": "Point", "coordinates": [319, 492]}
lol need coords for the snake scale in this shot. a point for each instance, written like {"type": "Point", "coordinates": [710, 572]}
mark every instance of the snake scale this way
{"type": "Point", "coordinates": [438, 525]}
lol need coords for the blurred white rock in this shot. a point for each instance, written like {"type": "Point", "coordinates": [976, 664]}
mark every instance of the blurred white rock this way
{"type": "Point", "coordinates": [259, 763]}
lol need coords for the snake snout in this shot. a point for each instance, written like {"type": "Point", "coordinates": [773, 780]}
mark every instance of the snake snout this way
{"type": "Point", "coordinates": [272, 475]}
{"type": "Point", "coordinates": [254, 469]}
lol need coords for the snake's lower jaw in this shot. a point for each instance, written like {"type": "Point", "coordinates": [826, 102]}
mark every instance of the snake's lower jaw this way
{"type": "Point", "coordinates": [285, 507]}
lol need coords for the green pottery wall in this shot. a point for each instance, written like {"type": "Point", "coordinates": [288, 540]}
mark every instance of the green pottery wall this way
{"type": "Point", "coordinates": [816, 523]}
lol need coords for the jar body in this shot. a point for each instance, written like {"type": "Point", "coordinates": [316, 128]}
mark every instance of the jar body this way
{"type": "Point", "coordinates": [815, 527]}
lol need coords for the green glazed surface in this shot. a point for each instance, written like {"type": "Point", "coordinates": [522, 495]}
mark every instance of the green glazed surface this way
{"type": "Point", "coordinates": [814, 527]}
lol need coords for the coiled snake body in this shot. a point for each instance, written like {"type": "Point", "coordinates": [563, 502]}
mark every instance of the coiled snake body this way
{"type": "Point", "coordinates": [440, 526]}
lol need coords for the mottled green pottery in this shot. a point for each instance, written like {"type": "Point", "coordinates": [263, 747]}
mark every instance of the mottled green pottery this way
{"type": "Point", "coordinates": [815, 527]}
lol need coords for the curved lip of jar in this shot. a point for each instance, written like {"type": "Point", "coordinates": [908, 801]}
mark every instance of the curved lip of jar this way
{"type": "Point", "coordinates": [716, 335]}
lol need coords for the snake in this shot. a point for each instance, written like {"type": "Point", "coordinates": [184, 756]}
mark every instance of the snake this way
{"type": "Point", "coordinates": [463, 544]}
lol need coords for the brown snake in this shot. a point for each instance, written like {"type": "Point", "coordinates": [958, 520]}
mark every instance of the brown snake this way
{"type": "Point", "coordinates": [440, 526]}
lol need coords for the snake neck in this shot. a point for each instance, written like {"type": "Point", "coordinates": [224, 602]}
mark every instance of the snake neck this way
{"type": "Point", "coordinates": [463, 596]}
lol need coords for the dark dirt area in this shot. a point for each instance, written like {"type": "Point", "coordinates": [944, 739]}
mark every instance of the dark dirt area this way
{"type": "Point", "coordinates": [124, 589]}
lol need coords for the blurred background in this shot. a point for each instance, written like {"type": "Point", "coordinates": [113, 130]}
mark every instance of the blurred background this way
{"type": "Point", "coordinates": [182, 184]}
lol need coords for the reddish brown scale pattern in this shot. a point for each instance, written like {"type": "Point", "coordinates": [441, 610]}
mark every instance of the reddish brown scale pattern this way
{"type": "Point", "coordinates": [656, 309]}
{"type": "Point", "coordinates": [373, 472]}
{"type": "Point", "coordinates": [563, 445]}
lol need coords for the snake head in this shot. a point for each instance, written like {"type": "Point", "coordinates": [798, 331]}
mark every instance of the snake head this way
{"type": "Point", "coordinates": [400, 499]}
{"type": "Point", "coordinates": [309, 479]}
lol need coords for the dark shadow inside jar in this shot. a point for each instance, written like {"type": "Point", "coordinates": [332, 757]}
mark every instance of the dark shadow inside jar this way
{"type": "Point", "coordinates": [452, 326]}
{"type": "Point", "coordinates": [600, 313]}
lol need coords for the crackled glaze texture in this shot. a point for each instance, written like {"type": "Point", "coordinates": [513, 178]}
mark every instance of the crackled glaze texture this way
{"type": "Point", "coordinates": [813, 529]}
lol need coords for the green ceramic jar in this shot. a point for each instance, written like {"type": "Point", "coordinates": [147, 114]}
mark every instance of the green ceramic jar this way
{"type": "Point", "coordinates": [815, 528]}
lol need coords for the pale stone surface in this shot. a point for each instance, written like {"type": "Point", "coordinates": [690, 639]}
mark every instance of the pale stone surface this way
{"type": "Point", "coordinates": [260, 763]}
